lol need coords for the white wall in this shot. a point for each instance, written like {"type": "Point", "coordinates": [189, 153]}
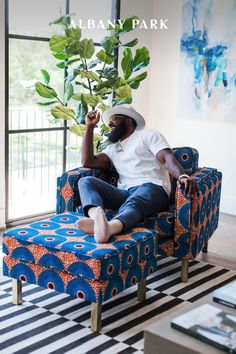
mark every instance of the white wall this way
{"type": "Point", "coordinates": [2, 115]}
{"type": "Point", "coordinates": [157, 98]}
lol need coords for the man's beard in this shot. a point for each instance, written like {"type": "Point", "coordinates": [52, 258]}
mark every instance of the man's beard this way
{"type": "Point", "coordinates": [118, 133]}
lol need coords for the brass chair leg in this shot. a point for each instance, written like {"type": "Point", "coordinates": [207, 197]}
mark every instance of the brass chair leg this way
{"type": "Point", "coordinates": [205, 248]}
{"type": "Point", "coordinates": [16, 291]}
{"type": "Point", "coordinates": [96, 317]}
{"type": "Point", "coordinates": [184, 270]}
{"type": "Point", "coordinates": [142, 290]}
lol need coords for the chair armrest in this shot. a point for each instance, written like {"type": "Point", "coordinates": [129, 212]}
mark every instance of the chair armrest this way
{"type": "Point", "coordinates": [67, 188]}
{"type": "Point", "coordinates": [197, 216]}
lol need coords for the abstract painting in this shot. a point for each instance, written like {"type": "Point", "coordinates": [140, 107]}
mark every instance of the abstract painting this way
{"type": "Point", "coordinates": [207, 83]}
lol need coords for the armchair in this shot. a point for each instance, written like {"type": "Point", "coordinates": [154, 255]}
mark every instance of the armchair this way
{"type": "Point", "coordinates": [184, 230]}
{"type": "Point", "coordinates": [54, 254]}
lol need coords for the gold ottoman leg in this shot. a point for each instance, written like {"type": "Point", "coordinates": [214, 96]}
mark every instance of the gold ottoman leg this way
{"type": "Point", "coordinates": [142, 290]}
{"type": "Point", "coordinates": [96, 317]}
{"type": "Point", "coordinates": [184, 270]}
{"type": "Point", "coordinates": [16, 291]}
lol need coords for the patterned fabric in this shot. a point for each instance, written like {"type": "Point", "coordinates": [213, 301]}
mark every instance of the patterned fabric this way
{"type": "Point", "coordinates": [188, 158]}
{"type": "Point", "coordinates": [90, 290]}
{"type": "Point", "coordinates": [197, 217]}
{"type": "Point", "coordinates": [67, 188]}
{"type": "Point", "coordinates": [53, 253]}
{"type": "Point", "coordinates": [58, 244]}
{"type": "Point", "coordinates": [180, 230]}
{"type": "Point", "coordinates": [67, 185]}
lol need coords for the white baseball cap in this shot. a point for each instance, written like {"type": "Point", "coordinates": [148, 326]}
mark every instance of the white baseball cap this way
{"type": "Point", "coordinates": [126, 110]}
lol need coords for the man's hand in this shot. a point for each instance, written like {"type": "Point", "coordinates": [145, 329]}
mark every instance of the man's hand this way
{"type": "Point", "coordinates": [92, 118]}
{"type": "Point", "coordinates": [190, 186]}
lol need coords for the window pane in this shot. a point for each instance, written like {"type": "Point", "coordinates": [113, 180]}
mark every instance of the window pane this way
{"type": "Point", "coordinates": [93, 10]}
{"type": "Point", "coordinates": [73, 151]}
{"type": "Point", "coordinates": [35, 161]}
{"type": "Point", "coordinates": [24, 71]}
{"type": "Point", "coordinates": [32, 17]}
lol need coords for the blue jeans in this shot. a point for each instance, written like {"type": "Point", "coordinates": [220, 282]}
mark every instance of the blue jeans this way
{"type": "Point", "coordinates": [133, 205]}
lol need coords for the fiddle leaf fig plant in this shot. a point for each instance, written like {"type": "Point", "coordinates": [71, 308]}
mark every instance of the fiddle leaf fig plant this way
{"type": "Point", "coordinates": [92, 81]}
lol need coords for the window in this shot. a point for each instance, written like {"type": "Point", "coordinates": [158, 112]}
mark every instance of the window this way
{"type": "Point", "coordinates": [35, 148]}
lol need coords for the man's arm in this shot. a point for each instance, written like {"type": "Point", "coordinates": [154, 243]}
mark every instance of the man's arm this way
{"type": "Point", "coordinates": [100, 161]}
{"type": "Point", "coordinates": [175, 169]}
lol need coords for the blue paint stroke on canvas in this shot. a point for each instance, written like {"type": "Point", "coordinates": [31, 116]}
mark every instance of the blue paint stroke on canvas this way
{"type": "Point", "coordinates": [208, 55]}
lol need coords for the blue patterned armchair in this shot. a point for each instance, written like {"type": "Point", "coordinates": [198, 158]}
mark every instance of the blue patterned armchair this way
{"type": "Point", "coordinates": [184, 229]}
{"type": "Point", "coordinates": [54, 254]}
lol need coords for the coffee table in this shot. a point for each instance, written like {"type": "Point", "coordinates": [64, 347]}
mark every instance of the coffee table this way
{"type": "Point", "coordinates": [161, 338]}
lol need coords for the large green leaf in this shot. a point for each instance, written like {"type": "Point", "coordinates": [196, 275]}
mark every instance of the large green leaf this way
{"type": "Point", "coordinates": [128, 25]}
{"type": "Point", "coordinates": [105, 57]}
{"type": "Point", "coordinates": [126, 63]}
{"type": "Point", "coordinates": [46, 76]}
{"type": "Point", "coordinates": [108, 73]}
{"type": "Point", "coordinates": [58, 43]}
{"type": "Point", "coordinates": [138, 78]}
{"type": "Point", "coordinates": [69, 92]}
{"type": "Point", "coordinates": [65, 63]}
{"type": "Point", "coordinates": [86, 48]}
{"type": "Point", "coordinates": [97, 137]}
{"type": "Point", "coordinates": [123, 92]}
{"type": "Point", "coordinates": [105, 84]}
{"type": "Point", "coordinates": [90, 100]}
{"type": "Point", "coordinates": [77, 129]}
{"type": "Point", "coordinates": [119, 82]}
{"type": "Point", "coordinates": [104, 91]}
{"type": "Point", "coordinates": [62, 112]}
{"type": "Point", "coordinates": [45, 91]}
{"type": "Point", "coordinates": [131, 43]}
{"type": "Point", "coordinates": [60, 55]}
{"type": "Point", "coordinates": [103, 107]}
{"type": "Point", "coordinates": [109, 43]}
{"type": "Point", "coordinates": [74, 33]}
{"type": "Point", "coordinates": [81, 112]}
{"type": "Point", "coordinates": [141, 58]}
{"type": "Point", "coordinates": [105, 130]}
{"type": "Point", "coordinates": [134, 84]}
{"type": "Point", "coordinates": [90, 75]}
{"type": "Point", "coordinates": [46, 103]}
{"type": "Point", "coordinates": [77, 97]}
{"type": "Point", "coordinates": [116, 102]}
{"type": "Point", "coordinates": [73, 48]}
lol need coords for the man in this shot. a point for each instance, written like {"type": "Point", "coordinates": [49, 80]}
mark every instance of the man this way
{"type": "Point", "coordinates": [143, 160]}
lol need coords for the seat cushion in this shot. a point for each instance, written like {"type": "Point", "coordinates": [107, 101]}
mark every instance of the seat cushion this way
{"type": "Point", "coordinates": [56, 243]}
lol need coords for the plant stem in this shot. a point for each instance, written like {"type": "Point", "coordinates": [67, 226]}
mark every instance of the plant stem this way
{"type": "Point", "coordinates": [60, 101]}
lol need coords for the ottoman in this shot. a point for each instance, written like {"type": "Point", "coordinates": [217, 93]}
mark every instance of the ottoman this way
{"type": "Point", "coordinates": [54, 254]}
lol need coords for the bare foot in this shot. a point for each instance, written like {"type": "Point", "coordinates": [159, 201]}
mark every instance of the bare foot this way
{"type": "Point", "coordinates": [86, 225]}
{"type": "Point", "coordinates": [101, 226]}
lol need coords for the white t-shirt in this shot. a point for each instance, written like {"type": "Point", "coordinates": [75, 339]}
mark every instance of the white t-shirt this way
{"type": "Point", "coordinates": [135, 159]}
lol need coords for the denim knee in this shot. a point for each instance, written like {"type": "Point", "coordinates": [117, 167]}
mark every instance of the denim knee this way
{"type": "Point", "coordinates": [87, 180]}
